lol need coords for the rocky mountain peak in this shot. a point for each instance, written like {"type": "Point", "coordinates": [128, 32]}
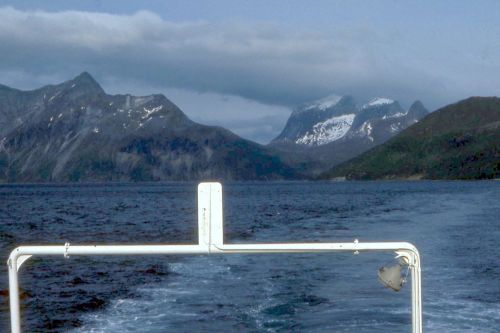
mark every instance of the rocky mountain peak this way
{"type": "Point", "coordinates": [84, 83]}
{"type": "Point", "coordinates": [85, 77]}
{"type": "Point", "coordinates": [417, 104]}
{"type": "Point", "coordinates": [323, 103]}
{"type": "Point", "coordinates": [417, 110]}
{"type": "Point", "coordinates": [326, 105]}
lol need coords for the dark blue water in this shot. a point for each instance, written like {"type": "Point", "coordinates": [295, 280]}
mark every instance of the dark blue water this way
{"type": "Point", "coordinates": [456, 226]}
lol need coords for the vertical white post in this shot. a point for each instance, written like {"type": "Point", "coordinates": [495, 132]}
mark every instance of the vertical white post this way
{"type": "Point", "coordinates": [15, 316]}
{"type": "Point", "coordinates": [204, 215]}
{"type": "Point", "coordinates": [416, 290]}
{"type": "Point", "coordinates": [210, 216]}
{"type": "Point", "coordinates": [216, 217]}
{"type": "Point", "coordinates": [411, 257]}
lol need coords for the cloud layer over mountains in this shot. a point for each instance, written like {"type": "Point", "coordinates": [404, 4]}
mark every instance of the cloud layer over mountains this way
{"type": "Point", "coordinates": [267, 63]}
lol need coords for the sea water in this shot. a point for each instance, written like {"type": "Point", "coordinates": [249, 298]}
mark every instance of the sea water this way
{"type": "Point", "coordinates": [455, 225]}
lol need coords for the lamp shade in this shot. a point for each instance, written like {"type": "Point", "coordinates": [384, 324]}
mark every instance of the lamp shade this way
{"type": "Point", "coordinates": [391, 277]}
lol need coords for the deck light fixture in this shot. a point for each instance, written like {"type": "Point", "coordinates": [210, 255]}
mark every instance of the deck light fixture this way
{"type": "Point", "coordinates": [391, 276]}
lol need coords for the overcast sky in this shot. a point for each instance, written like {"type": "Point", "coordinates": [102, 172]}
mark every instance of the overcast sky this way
{"type": "Point", "coordinates": [246, 64]}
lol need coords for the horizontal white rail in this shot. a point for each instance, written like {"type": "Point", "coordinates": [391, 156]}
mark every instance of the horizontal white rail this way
{"type": "Point", "coordinates": [210, 228]}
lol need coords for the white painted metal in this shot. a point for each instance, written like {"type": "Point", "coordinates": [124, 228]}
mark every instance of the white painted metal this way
{"type": "Point", "coordinates": [210, 240]}
{"type": "Point", "coordinates": [21, 259]}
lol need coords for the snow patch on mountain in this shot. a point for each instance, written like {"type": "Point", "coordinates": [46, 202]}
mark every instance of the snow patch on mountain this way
{"type": "Point", "coordinates": [328, 131]}
{"type": "Point", "coordinates": [149, 111]}
{"type": "Point", "coordinates": [396, 127]}
{"type": "Point", "coordinates": [378, 101]}
{"type": "Point", "coordinates": [396, 115]}
{"type": "Point", "coordinates": [366, 129]}
{"type": "Point", "coordinates": [324, 103]}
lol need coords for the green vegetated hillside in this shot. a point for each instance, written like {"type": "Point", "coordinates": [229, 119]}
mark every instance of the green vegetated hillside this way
{"type": "Point", "coordinates": [459, 141]}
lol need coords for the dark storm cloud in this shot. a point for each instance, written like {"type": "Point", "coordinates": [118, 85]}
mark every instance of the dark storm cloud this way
{"type": "Point", "coordinates": [266, 63]}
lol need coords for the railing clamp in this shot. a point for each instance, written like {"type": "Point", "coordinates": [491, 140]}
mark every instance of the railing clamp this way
{"type": "Point", "coordinates": [66, 248]}
{"type": "Point", "coordinates": [356, 241]}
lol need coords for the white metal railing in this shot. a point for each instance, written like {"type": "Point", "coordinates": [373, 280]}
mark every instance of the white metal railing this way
{"type": "Point", "coordinates": [210, 240]}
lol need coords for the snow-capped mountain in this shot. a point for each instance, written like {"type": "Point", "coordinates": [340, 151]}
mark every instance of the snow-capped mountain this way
{"type": "Point", "coordinates": [334, 118]}
{"type": "Point", "coordinates": [319, 122]}
{"type": "Point", "coordinates": [334, 129]}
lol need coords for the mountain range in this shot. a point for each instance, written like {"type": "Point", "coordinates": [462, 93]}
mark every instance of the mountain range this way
{"type": "Point", "coordinates": [334, 129]}
{"type": "Point", "coordinates": [74, 131]}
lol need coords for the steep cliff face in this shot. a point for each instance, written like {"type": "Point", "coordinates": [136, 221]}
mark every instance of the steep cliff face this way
{"type": "Point", "coordinates": [74, 131]}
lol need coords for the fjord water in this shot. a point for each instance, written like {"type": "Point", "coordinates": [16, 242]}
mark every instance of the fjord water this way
{"type": "Point", "coordinates": [456, 226]}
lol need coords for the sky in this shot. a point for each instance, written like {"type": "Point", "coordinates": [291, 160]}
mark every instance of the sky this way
{"type": "Point", "coordinates": [246, 65]}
